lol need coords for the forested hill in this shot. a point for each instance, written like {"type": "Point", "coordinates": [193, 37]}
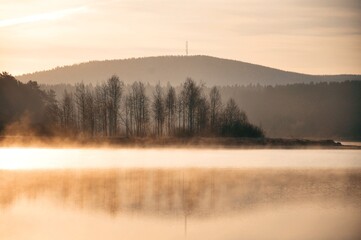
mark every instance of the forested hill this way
{"type": "Point", "coordinates": [175, 69]}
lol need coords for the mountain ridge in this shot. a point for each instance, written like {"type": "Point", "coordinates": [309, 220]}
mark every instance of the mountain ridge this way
{"type": "Point", "coordinates": [175, 69]}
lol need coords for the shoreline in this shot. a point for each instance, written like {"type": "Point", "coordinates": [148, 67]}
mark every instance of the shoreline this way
{"type": "Point", "coordinates": [166, 143]}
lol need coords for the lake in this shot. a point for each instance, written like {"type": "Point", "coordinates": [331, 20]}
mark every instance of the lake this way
{"type": "Point", "coordinates": [179, 194]}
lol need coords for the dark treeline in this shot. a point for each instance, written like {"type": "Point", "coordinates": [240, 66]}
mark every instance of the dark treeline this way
{"type": "Point", "coordinates": [25, 108]}
{"type": "Point", "coordinates": [314, 110]}
{"type": "Point", "coordinates": [111, 109]}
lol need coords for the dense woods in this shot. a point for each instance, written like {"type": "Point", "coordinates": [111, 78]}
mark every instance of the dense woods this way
{"type": "Point", "coordinates": [315, 110]}
{"type": "Point", "coordinates": [111, 110]}
{"type": "Point", "coordinates": [25, 108]}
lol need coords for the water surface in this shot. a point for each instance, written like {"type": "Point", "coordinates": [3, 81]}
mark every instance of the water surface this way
{"type": "Point", "coordinates": [180, 194]}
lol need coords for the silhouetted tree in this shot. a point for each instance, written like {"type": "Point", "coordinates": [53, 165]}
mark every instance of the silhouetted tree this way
{"type": "Point", "coordinates": [232, 113]}
{"type": "Point", "coordinates": [137, 110]}
{"type": "Point", "coordinates": [158, 110]}
{"type": "Point", "coordinates": [67, 113]}
{"type": "Point", "coordinates": [80, 100]}
{"type": "Point", "coordinates": [129, 115]}
{"type": "Point", "coordinates": [115, 92]}
{"type": "Point", "coordinates": [235, 123]}
{"type": "Point", "coordinates": [181, 112]}
{"type": "Point", "coordinates": [89, 112]}
{"type": "Point", "coordinates": [101, 109]}
{"type": "Point", "coordinates": [96, 111]}
{"type": "Point", "coordinates": [170, 109]}
{"type": "Point", "coordinates": [52, 111]}
{"type": "Point", "coordinates": [191, 93]}
{"type": "Point", "coordinates": [215, 107]}
{"type": "Point", "coordinates": [202, 115]}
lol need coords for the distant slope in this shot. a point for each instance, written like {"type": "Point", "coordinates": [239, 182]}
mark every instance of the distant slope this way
{"type": "Point", "coordinates": [175, 69]}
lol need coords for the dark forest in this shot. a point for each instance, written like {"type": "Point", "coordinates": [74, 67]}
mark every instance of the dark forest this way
{"type": "Point", "coordinates": [112, 108]}
{"type": "Point", "coordinates": [107, 110]}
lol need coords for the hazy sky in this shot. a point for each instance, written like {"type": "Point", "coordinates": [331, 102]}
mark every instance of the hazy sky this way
{"type": "Point", "coordinates": [311, 36]}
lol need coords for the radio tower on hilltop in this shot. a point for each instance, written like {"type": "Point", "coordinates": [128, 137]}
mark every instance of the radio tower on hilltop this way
{"type": "Point", "coordinates": [186, 48]}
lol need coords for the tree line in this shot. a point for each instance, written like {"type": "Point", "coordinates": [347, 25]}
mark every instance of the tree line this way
{"type": "Point", "coordinates": [111, 110]}
{"type": "Point", "coordinates": [313, 110]}
{"type": "Point", "coordinates": [107, 110]}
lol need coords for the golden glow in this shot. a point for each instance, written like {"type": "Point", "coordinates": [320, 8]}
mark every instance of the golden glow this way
{"type": "Point", "coordinates": [25, 158]}
{"type": "Point", "coordinates": [317, 37]}
{"type": "Point", "coordinates": [181, 204]}
{"type": "Point", "coordinates": [40, 17]}
{"type": "Point", "coordinates": [43, 158]}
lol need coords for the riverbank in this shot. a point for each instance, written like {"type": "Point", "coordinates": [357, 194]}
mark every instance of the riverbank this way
{"type": "Point", "coordinates": [195, 142]}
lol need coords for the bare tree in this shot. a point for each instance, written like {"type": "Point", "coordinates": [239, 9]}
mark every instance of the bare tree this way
{"type": "Point", "coordinates": [137, 110]}
{"type": "Point", "coordinates": [115, 91]}
{"type": "Point", "coordinates": [89, 112]}
{"type": "Point", "coordinates": [101, 110]}
{"type": "Point", "coordinates": [80, 100]}
{"type": "Point", "coordinates": [181, 112]}
{"type": "Point", "coordinates": [52, 110]}
{"type": "Point", "coordinates": [191, 93]}
{"type": "Point", "coordinates": [170, 109]}
{"type": "Point", "coordinates": [202, 115]}
{"type": "Point", "coordinates": [158, 110]}
{"type": "Point", "coordinates": [97, 111]}
{"type": "Point", "coordinates": [215, 107]}
{"type": "Point", "coordinates": [67, 110]}
{"type": "Point", "coordinates": [129, 115]}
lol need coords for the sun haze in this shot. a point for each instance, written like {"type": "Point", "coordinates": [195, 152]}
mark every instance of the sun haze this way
{"type": "Point", "coordinates": [317, 37]}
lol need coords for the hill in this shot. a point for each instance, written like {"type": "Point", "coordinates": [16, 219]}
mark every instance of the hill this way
{"type": "Point", "coordinates": [175, 69]}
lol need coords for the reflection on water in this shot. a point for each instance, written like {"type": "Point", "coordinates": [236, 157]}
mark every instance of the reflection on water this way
{"type": "Point", "coordinates": [196, 203]}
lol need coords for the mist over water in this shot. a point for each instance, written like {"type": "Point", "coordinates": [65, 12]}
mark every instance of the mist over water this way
{"type": "Point", "coordinates": [179, 194]}
{"type": "Point", "coordinates": [57, 158]}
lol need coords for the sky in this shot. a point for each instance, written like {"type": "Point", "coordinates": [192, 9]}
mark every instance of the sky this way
{"type": "Point", "coordinates": [308, 36]}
